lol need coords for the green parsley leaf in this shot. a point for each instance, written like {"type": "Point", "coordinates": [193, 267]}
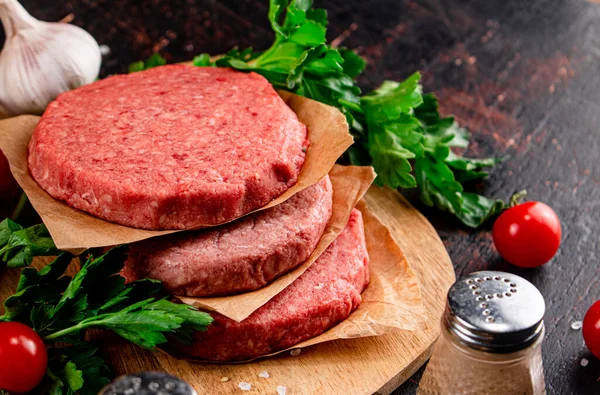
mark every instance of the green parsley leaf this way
{"type": "Point", "coordinates": [437, 184]}
{"type": "Point", "coordinates": [392, 99]}
{"type": "Point", "coordinates": [76, 369]}
{"type": "Point", "coordinates": [35, 288]}
{"type": "Point", "coordinates": [394, 134]}
{"type": "Point", "coordinates": [61, 308]}
{"type": "Point", "coordinates": [202, 60]}
{"type": "Point", "coordinates": [440, 173]}
{"type": "Point", "coordinates": [439, 188]}
{"type": "Point", "coordinates": [391, 145]}
{"type": "Point", "coordinates": [73, 376]}
{"type": "Point", "coordinates": [18, 246]}
{"type": "Point", "coordinates": [433, 124]}
{"type": "Point", "coordinates": [144, 323]}
{"type": "Point", "coordinates": [353, 64]}
{"type": "Point", "coordinates": [469, 169]}
{"type": "Point", "coordinates": [8, 227]}
{"type": "Point", "coordinates": [105, 267]}
{"type": "Point", "coordinates": [276, 8]}
{"type": "Point", "coordinates": [153, 61]}
{"type": "Point", "coordinates": [477, 209]}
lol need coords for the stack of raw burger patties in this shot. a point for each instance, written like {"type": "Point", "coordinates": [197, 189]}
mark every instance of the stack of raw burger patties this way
{"type": "Point", "coordinates": [180, 147]}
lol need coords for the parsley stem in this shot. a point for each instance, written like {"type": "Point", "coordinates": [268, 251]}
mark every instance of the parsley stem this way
{"type": "Point", "coordinates": [65, 331]}
{"type": "Point", "coordinates": [92, 321]}
{"type": "Point", "coordinates": [20, 206]}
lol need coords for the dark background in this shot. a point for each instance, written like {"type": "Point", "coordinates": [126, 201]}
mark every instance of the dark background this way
{"type": "Point", "coordinates": [523, 76]}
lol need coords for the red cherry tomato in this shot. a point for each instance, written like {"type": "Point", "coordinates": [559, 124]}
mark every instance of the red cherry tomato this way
{"type": "Point", "coordinates": [23, 358]}
{"type": "Point", "coordinates": [527, 235]}
{"type": "Point", "coordinates": [591, 329]}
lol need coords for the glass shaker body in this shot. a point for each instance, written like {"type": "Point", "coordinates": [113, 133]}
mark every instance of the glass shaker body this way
{"type": "Point", "coordinates": [455, 368]}
{"type": "Point", "coordinates": [491, 336]}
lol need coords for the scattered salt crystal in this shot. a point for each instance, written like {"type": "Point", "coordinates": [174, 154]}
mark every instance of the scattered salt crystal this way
{"type": "Point", "coordinates": [104, 50]}
{"type": "Point", "coordinates": [245, 386]}
{"type": "Point", "coordinates": [224, 379]}
{"type": "Point", "coordinates": [576, 325]}
{"type": "Point", "coordinates": [264, 374]}
{"type": "Point", "coordinates": [295, 352]}
{"type": "Point", "coordinates": [281, 390]}
{"type": "Point", "coordinates": [584, 362]}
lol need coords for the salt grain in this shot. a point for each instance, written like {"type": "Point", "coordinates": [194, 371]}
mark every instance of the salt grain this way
{"type": "Point", "coordinates": [584, 362]}
{"type": "Point", "coordinates": [576, 325]}
{"type": "Point", "coordinates": [264, 374]}
{"type": "Point", "coordinates": [224, 379]}
{"type": "Point", "coordinates": [281, 390]}
{"type": "Point", "coordinates": [104, 50]}
{"type": "Point", "coordinates": [245, 386]}
{"type": "Point", "coordinates": [295, 352]}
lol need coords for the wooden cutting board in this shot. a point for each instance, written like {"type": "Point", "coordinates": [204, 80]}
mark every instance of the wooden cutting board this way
{"type": "Point", "coordinates": [359, 366]}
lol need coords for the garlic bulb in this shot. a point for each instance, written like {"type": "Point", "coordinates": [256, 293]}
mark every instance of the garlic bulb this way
{"type": "Point", "coordinates": [40, 60]}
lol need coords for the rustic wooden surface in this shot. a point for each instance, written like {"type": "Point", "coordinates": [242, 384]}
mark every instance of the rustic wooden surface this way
{"type": "Point", "coordinates": [358, 366]}
{"type": "Point", "coordinates": [522, 75]}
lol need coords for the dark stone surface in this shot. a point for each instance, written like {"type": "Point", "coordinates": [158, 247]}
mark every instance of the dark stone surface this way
{"type": "Point", "coordinates": [522, 75]}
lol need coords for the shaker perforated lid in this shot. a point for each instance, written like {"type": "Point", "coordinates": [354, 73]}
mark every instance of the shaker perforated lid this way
{"type": "Point", "coordinates": [148, 383]}
{"type": "Point", "coordinates": [495, 312]}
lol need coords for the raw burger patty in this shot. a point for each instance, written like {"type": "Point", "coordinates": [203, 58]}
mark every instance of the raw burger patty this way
{"type": "Point", "coordinates": [240, 256]}
{"type": "Point", "coordinates": [319, 299]}
{"type": "Point", "coordinates": [169, 148]}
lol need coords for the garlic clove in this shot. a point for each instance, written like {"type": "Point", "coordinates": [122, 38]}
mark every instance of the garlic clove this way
{"type": "Point", "coordinates": [40, 60]}
{"type": "Point", "coordinates": [14, 17]}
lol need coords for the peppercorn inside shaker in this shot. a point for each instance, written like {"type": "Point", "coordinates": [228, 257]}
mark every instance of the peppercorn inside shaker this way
{"type": "Point", "coordinates": [148, 383]}
{"type": "Point", "coordinates": [492, 330]}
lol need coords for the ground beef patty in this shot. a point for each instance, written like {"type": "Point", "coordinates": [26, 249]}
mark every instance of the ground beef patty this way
{"type": "Point", "coordinates": [241, 256]}
{"type": "Point", "coordinates": [169, 148]}
{"type": "Point", "coordinates": [319, 299]}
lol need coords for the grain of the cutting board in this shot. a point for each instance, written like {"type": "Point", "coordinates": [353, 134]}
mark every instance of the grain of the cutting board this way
{"type": "Point", "coordinates": [359, 366]}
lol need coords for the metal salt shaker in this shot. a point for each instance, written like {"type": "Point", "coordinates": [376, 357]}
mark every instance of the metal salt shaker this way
{"type": "Point", "coordinates": [148, 383]}
{"type": "Point", "coordinates": [492, 331]}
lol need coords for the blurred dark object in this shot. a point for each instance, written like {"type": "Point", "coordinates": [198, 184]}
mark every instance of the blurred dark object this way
{"type": "Point", "coordinates": [148, 383]}
{"type": "Point", "coordinates": [13, 202]}
{"type": "Point", "coordinates": [9, 189]}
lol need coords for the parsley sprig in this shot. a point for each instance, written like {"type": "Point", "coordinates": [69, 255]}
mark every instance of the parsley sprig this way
{"type": "Point", "coordinates": [397, 129]}
{"type": "Point", "coordinates": [60, 309]}
{"type": "Point", "coordinates": [77, 370]}
{"type": "Point", "coordinates": [18, 246]}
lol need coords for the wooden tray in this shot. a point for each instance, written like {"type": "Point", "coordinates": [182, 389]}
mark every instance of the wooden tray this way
{"type": "Point", "coordinates": [360, 366]}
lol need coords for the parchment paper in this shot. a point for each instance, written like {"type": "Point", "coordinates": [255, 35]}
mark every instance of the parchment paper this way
{"type": "Point", "coordinates": [392, 301]}
{"type": "Point", "coordinates": [75, 231]}
{"type": "Point", "coordinates": [393, 298]}
{"type": "Point", "coordinates": [349, 185]}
